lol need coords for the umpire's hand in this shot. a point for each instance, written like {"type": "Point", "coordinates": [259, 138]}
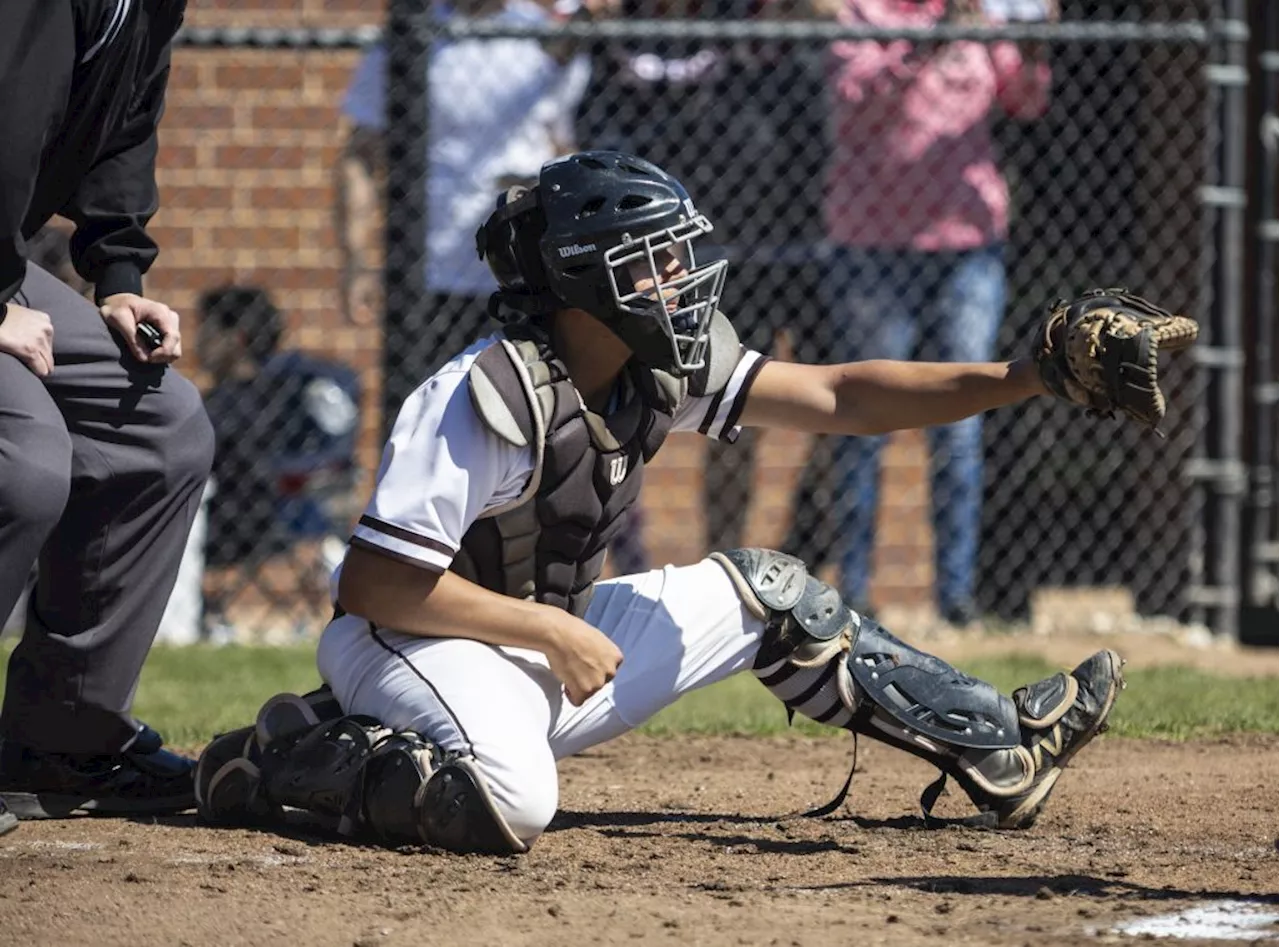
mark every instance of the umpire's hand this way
{"type": "Point", "coordinates": [124, 311]}
{"type": "Point", "coordinates": [27, 335]}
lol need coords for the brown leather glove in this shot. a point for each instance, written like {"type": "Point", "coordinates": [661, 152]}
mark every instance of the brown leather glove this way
{"type": "Point", "coordinates": [1101, 350]}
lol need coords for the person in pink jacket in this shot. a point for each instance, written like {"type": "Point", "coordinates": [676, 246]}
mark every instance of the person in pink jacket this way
{"type": "Point", "coordinates": [917, 212]}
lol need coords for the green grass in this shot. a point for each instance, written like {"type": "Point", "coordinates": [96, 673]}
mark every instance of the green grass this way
{"type": "Point", "coordinates": [191, 693]}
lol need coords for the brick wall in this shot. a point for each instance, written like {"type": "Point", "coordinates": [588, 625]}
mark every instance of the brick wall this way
{"type": "Point", "coordinates": [248, 148]}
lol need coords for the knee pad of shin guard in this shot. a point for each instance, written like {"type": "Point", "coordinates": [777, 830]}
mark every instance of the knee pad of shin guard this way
{"type": "Point", "coordinates": [805, 619]}
{"type": "Point", "coordinates": [459, 813]}
{"type": "Point", "coordinates": [412, 795]}
{"type": "Point", "coordinates": [808, 630]}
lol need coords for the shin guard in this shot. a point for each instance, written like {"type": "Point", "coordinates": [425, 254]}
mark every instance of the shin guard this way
{"type": "Point", "coordinates": [823, 660]}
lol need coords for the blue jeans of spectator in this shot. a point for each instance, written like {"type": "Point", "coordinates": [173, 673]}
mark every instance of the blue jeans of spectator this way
{"type": "Point", "coordinates": [904, 304]}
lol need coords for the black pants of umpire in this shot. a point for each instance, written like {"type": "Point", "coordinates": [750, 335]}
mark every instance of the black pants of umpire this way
{"type": "Point", "coordinates": [101, 468]}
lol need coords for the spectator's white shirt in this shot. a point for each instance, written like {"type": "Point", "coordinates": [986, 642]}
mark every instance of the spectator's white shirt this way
{"type": "Point", "coordinates": [499, 108]}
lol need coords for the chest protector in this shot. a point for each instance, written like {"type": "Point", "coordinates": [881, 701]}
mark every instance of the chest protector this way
{"type": "Point", "coordinates": [548, 544]}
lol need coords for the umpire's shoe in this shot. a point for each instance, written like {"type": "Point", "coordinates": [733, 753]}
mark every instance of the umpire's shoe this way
{"type": "Point", "coordinates": [145, 779]}
{"type": "Point", "coordinates": [8, 821]}
{"type": "Point", "coordinates": [1059, 716]}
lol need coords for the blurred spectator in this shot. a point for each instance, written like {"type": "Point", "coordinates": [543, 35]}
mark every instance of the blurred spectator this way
{"type": "Point", "coordinates": [917, 211]}
{"type": "Point", "coordinates": [490, 128]}
{"type": "Point", "coordinates": [286, 426]}
{"type": "Point", "coordinates": [757, 176]}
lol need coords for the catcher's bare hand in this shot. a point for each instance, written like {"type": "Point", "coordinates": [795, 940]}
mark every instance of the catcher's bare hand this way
{"type": "Point", "coordinates": [123, 312]}
{"type": "Point", "coordinates": [1101, 350]}
{"type": "Point", "coordinates": [27, 335]}
{"type": "Point", "coordinates": [582, 658]}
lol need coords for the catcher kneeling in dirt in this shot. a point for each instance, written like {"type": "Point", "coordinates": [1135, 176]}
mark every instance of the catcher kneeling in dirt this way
{"type": "Point", "coordinates": [472, 645]}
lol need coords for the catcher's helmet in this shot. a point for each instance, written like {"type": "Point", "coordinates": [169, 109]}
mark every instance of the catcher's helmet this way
{"type": "Point", "coordinates": [571, 242]}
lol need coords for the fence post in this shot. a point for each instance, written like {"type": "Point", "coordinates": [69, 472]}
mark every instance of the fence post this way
{"type": "Point", "coordinates": [1219, 467]}
{"type": "Point", "coordinates": [407, 45]}
{"type": "Point", "coordinates": [1258, 607]}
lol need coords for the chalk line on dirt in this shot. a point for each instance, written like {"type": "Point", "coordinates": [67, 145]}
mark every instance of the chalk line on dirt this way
{"type": "Point", "coordinates": [1221, 920]}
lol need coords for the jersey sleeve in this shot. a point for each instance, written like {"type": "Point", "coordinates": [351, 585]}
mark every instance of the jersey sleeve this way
{"type": "Point", "coordinates": [441, 468]}
{"type": "Point", "coordinates": [716, 413]}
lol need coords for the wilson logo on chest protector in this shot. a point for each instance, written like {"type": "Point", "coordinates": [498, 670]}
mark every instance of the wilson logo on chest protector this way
{"type": "Point", "coordinates": [617, 471]}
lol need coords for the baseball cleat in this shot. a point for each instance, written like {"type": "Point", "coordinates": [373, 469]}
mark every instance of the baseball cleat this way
{"type": "Point", "coordinates": [1059, 715]}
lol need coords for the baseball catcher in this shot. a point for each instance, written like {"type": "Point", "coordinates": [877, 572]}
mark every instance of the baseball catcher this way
{"type": "Point", "coordinates": [473, 644]}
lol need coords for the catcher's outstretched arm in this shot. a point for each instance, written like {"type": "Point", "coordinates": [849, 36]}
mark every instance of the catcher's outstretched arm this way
{"type": "Point", "coordinates": [875, 397]}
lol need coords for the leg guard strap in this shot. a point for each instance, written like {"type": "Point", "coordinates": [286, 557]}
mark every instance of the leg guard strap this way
{"type": "Point", "coordinates": [320, 770]}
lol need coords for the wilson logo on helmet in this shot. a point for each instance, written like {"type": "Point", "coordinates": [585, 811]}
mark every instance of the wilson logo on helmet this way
{"type": "Point", "coordinates": [576, 249]}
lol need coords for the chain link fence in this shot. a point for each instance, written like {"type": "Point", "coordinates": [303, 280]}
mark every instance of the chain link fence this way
{"type": "Point", "coordinates": [881, 188]}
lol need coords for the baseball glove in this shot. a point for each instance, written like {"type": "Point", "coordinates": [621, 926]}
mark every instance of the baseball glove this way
{"type": "Point", "coordinates": [1100, 350]}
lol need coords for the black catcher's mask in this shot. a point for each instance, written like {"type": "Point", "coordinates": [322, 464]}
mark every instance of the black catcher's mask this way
{"type": "Point", "coordinates": [575, 240]}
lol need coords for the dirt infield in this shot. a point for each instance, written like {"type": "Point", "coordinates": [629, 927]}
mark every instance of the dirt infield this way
{"type": "Point", "coordinates": [681, 842]}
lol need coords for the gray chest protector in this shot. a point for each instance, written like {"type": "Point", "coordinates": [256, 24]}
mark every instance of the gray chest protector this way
{"type": "Point", "coordinates": [549, 543]}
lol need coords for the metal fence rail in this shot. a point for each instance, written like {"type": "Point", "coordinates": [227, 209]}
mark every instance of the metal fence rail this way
{"type": "Point", "coordinates": [419, 22]}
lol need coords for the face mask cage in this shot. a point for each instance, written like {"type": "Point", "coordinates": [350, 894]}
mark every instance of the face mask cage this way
{"type": "Point", "coordinates": [685, 304]}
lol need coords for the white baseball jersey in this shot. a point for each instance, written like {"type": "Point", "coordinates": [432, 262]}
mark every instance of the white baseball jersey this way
{"type": "Point", "coordinates": [488, 124]}
{"type": "Point", "coordinates": [443, 467]}
{"type": "Point", "coordinates": [679, 628]}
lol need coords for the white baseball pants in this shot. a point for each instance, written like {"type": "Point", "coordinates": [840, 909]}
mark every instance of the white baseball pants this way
{"type": "Point", "coordinates": [679, 628]}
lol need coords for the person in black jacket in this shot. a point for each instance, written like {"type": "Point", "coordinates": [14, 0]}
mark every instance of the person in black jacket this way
{"type": "Point", "coordinates": [103, 450]}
